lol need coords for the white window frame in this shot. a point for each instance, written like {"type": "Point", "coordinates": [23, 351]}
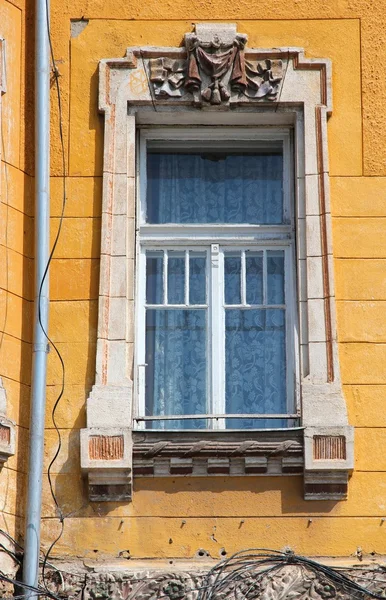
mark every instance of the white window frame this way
{"type": "Point", "coordinates": [215, 240]}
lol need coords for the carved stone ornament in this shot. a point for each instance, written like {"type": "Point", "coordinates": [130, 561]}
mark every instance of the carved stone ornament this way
{"type": "Point", "coordinates": [217, 453]}
{"type": "Point", "coordinates": [281, 582]}
{"type": "Point", "coordinates": [215, 69]}
{"type": "Point", "coordinates": [215, 81]}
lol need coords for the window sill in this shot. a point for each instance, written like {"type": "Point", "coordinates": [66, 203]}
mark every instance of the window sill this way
{"type": "Point", "coordinates": [217, 453]}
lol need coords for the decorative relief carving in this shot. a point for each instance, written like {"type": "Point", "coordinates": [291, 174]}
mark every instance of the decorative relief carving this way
{"type": "Point", "coordinates": [103, 447]}
{"type": "Point", "coordinates": [187, 454]}
{"type": "Point", "coordinates": [329, 447]}
{"type": "Point", "coordinates": [106, 460]}
{"type": "Point", "coordinates": [164, 85]}
{"type": "Point", "coordinates": [5, 434]}
{"type": "Point", "coordinates": [287, 581]}
{"type": "Point", "coordinates": [215, 69]}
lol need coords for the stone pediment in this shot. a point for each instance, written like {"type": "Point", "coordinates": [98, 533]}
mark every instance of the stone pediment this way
{"type": "Point", "coordinates": [215, 68]}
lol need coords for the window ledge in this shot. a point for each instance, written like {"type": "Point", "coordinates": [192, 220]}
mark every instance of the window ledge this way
{"type": "Point", "coordinates": [216, 453]}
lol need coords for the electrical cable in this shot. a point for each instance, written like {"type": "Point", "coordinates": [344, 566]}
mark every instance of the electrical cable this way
{"type": "Point", "coordinates": [244, 568]}
{"type": "Point", "coordinates": [39, 591]}
{"type": "Point", "coordinates": [11, 539]}
{"type": "Point", "coordinates": [237, 570]}
{"type": "Point", "coordinates": [231, 569]}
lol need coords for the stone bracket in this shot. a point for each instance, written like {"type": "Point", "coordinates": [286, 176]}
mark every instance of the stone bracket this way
{"type": "Point", "coordinates": [7, 438]}
{"type": "Point", "coordinates": [106, 459]}
{"type": "Point", "coordinates": [328, 462]}
{"type": "Point", "coordinates": [106, 444]}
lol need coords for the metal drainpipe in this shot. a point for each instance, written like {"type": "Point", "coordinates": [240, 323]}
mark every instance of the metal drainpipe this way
{"type": "Point", "coordinates": [40, 346]}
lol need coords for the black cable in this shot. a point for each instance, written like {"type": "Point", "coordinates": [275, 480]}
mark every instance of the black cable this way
{"type": "Point", "coordinates": [39, 591]}
{"type": "Point", "coordinates": [232, 571]}
{"type": "Point", "coordinates": [11, 539]}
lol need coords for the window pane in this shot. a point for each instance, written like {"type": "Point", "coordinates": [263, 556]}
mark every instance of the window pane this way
{"type": "Point", "coordinates": [232, 276]}
{"type": "Point", "coordinates": [197, 278]}
{"type": "Point", "coordinates": [254, 274]}
{"type": "Point", "coordinates": [176, 278]}
{"type": "Point", "coordinates": [255, 363]}
{"type": "Point", "coordinates": [215, 187]}
{"type": "Point", "coordinates": [154, 277]}
{"type": "Point", "coordinates": [275, 276]}
{"type": "Point", "coordinates": [176, 356]}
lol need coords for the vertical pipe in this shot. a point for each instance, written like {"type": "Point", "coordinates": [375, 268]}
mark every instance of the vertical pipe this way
{"type": "Point", "coordinates": [41, 300]}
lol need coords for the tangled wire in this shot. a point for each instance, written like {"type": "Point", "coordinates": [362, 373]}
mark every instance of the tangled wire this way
{"type": "Point", "coordinates": [254, 574]}
{"type": "Point", "coordinates": [268, 574]}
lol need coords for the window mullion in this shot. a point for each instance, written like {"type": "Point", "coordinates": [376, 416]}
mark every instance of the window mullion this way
{"type": "Point", "coordinates": [265, 278]}
{"type": "Point", "coordinates": [216, 310]}
{"type": "Point", "coordinates": [243, 279]}
{"type": "Point", "coordinates": [141, 338]}
{"type": "Point", "coordinates": [187, 276]}
{"type": "Point", "coordinates": [165, 277]}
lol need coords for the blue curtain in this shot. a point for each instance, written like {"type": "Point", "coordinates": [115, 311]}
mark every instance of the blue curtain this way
{"type": "Point", "coordinates": [255, 353]}
{"type": "Point", "coordinates": [194, 188]}
{"type": "Point", "coordinates": [255, 366]}
{"type": "Point", "coordinates": [214, 188]}
{"type": "Point", "coordinates": [176, 341]}
{"type": "Point", "coordinates": [177, 366]}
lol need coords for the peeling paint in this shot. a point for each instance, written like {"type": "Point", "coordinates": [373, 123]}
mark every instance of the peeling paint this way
{"type": "Point", "coordinates": [77, 26]}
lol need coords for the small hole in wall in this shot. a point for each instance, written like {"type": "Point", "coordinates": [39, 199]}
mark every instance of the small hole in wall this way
{"type": "Point", "coordinates": [223, 552]}
{"type": "Point", "coordinates": [95, 550]}
{"type": "Point", "coordinates": [201, 553]}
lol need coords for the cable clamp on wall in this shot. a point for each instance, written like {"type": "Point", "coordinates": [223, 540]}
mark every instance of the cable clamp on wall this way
{"type": "Point", "coordinates": [41, 347]}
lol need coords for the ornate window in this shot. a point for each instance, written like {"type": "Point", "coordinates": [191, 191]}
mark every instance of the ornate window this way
{"type": "Point", "coordinates": [215, 320]}
{"type": "Point", "coordinates": [268, 270]}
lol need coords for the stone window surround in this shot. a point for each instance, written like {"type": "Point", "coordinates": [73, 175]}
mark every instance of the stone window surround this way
{"type": "Point", "coordinates": [7, 427]}
{"type": "Point", "coordinates": [128, 100]}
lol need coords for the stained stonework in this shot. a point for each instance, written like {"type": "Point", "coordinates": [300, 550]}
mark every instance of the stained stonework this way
{"type": "Point", "coordinates": [215, 80]}
{"type": "Point", "coordinates": [104, 447]}
{"type": "Point", "coordinates": [329, 447]}
{"type": "Point", "coordinates": [269, 582]}
{"type": "Point", "coordinates": [215, 69]}
{"type": "Point", "coordinates": [7, 436]}
{"type": "Point", "coordinates": [217, 453]}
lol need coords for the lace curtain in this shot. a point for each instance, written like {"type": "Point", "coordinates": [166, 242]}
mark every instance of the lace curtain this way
{"type": "Point", "coordinates": [193, 188]}
{"type": "Point", "coordinates": [214, 188]}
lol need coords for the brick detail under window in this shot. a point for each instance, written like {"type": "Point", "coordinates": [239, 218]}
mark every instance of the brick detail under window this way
{"type": "Point", "coordinates": [5, 434]}
{"type": "Point", "coordinates": [329, 447]}
{"type": "Point", "coordinates": [103, 447]}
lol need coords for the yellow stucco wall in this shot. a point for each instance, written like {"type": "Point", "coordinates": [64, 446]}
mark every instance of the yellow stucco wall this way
{"type": "Point", "coordinates": [230, 513]}
{"type": "Point", "coordinates": [16, 253]}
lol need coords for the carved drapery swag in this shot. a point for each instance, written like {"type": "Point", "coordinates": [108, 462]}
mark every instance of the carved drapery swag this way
{"type": "Point", "coordinates": [214, 70]}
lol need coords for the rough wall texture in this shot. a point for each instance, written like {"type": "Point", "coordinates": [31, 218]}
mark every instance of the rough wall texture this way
{"type": "Point", "coordinates": [176, 518]}
{"type": "Point", "coordinates": [16, 256]}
